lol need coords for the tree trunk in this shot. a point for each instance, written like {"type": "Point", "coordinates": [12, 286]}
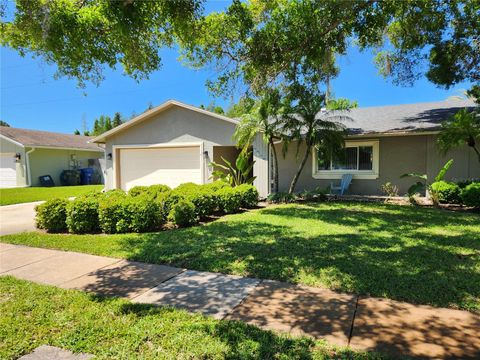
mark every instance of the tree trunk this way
{"type": "Point", "coordinates": [275, 165]}
{"type": "Point", "coordinates": [477, 152]}
{"type": "Point", "coordinates": [299, 170]}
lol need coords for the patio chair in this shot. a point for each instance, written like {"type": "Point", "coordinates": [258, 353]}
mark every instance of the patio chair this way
{"type": "Point", "coordinates": [344, 184]}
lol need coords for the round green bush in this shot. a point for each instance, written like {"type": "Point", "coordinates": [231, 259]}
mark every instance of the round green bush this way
{"type": "Point", "coordinates": [153, 190]}
{"type": "Point", "coordinates": [248, 194]}
{"type": "Point", "coordinates": [447, 192]}
{"type": "Point", "coordinates": [140, 214]}
{"type": "Point", "coordinates": [471, 195]}
{"type": "Point", "coordinates": [52, 215]}
{"type": "Point", "coordinates": [183, 213]}
{"type": "Point", "coordinates": [110, 208]}
{"type": "Point", "coordinates": [216, 185]}
{"type": "Point", "coordinates": [82, 215]}
{"type": "Point", "coordinates": [229, 200]}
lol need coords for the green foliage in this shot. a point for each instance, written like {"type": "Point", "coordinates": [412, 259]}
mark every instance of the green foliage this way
{"type": "Point", "coordinates": [244, 106]}
{"type": "Point", "coordinates": [183, 213]}
{"type": "Point", "coordinates": [82, 37]}
{"type": "Point", "coordinates": [312, 195]}
{"type": "Point", "coordinates": [341, 104]}
{"type": "Point", "coordinates": [446, 192]}
{"type": "Point", "coordinates": [281, 198]}
{"type": "Point", "coordinates": [216, 185]}
{"type": "Point", "coordinates": [229, 200]}
{"type": "Point", "coordinates": [52, 215]}
{"type": "Point", "coordinates": [82, 215]}
{"type": "Point", "coordinates": [202, 197]}
{"type": "Point", "coordinates": [248, 194]}
{"type": "Point", "coordinates": [139, 214]}
{"type": "Point", "coordinates": [238, 174]}
{"type": "Point", "coordinates": [110, 210]}
{"type": "Point", "coordinates": [424, 184]}
{"type": "Point", "coordinates": [471, 195]}
{"type": "Point", "coordinates": [461, 129]}
{"type": "Point", "coordinates": [4, 123]}
{"type": "Point", "coordinates": [153, 190]}
{"type": "Point", "coordinates": [389, 189]}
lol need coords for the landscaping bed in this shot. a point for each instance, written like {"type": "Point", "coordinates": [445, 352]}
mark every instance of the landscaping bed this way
{"type": "Point", "coordinates": [32, 315]}
{"type": "Point", "coordinates": [414, 254]}
{"type": "Point", "coordinates": [31, 194]}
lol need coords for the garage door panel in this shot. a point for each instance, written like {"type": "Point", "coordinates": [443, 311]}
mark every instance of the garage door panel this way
{"type": "Point", "coordinates": [169, 166]}
{"type": "Point", "coordinates": [8, 171]}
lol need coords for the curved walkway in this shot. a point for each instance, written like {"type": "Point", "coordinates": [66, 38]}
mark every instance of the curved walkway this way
{"type": "Point", "coordinates": [363, 323]}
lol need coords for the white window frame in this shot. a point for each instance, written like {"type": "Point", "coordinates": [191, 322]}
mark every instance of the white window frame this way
{"type": "Point", "coordinates": [357, 174]}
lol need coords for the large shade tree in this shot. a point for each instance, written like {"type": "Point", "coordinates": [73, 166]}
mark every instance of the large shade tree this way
{"type": "Point", "coordinates": [82, 37]}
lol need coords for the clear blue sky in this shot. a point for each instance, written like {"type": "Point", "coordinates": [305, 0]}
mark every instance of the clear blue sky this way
{"type": "Point", "coordinates": [31, 97]}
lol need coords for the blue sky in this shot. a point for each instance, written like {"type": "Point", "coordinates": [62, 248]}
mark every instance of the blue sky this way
{"type": "Point", "coordinates": [30, 97]}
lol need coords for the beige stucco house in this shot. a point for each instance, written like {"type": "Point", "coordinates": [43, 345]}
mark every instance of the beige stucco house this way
{"type": "Point", "coordinates": [27, 154]}
{"type": "Point", "coordinates": [175, 143]}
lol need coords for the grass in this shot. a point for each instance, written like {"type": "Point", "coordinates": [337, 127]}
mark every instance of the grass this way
{"type": "Point", "coordinates": [30, 194]}
{"type": "Point", "coordinates": [418, 255]}
{"type": "Point", "coordinates": [32, 315]}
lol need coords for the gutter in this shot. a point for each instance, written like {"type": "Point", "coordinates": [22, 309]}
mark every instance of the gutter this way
{"type": "Point", "coordinates": [27, 159]}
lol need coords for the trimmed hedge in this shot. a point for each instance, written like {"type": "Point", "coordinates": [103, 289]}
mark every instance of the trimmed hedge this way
{"type": "Point", "coordinates": [447, 192]}
{"type": "Point", "coordinates": [82, 215]}
{"type": "Point", "coordinates": [471, 195]}
{"type": "Point", "coordinates": [144, 208]}
{"type": "Point", "coordinates": [183, 213]}
{"type": "Point", "coordinates": [52, 215]}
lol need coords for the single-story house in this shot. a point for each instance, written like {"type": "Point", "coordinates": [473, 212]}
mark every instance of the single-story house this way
{"type": "Point", "coordinates": [174, 143]}
{"type": "Point", "coordinates": [25, 155]}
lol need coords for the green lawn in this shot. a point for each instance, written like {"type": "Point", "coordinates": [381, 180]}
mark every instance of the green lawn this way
{"type": "Point", "coordinates": [30, 194]}
{"type": "Point", "coordinates": [32, 315]}
{"type": "Point", "coordinates": [419, 255]}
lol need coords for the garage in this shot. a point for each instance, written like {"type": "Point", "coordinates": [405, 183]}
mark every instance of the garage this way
{"type": "Point", "coordinates": [167, 164]}
{"type": "Point", "coordinates": [8, 170]}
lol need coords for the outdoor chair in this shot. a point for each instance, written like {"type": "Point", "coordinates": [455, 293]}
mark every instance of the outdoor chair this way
{"type": "Point", "coordinates": [344, 184]}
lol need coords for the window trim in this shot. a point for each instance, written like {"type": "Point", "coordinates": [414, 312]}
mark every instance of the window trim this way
{"type": "Point", "coordinates": [357, 174]}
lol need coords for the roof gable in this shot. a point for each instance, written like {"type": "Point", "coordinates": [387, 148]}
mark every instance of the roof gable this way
{"type": "Point", "coordinates": [155, 111]}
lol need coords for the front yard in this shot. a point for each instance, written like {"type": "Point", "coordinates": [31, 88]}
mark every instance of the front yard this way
{"type": "Point", "coordinates": [30, 194]}
{"type": "Point", "coordinates": [419, 255]}
{"type": "Point", "coordinates": [34, 315]}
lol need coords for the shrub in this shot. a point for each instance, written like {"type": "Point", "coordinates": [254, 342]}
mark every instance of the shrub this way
{"type": "Point", "coordinates": [153, 190]}
{"type": "Point", "coordinates": [139, 214]}
{"type": "Point", "coordinates": [389, 189]}
{"type": "Point", "coordinates": [216, 185]}
{"type": "Point", "coordinates": [202, 197]}
{"type": "Point", "coordinates": [281, 197]}
{"type": "Point", "coordinates": [248, 194]}
{"type": "Point", "coordinates": [446, 192]}
{"type": "Point", "coordinates": [183, 214]}
{"type": "Point", "coordinates": [52, 215]}
{"type": "Point", "coordinates": [463, 183]}
{"type": "Point", "coordinates": [471, 195]}
{"type": "Point", "coordinates": [229, 200]}
{"type": "Point", "coordinates": [110, 210]}
{"type": "Point", "coordinates": [82, 215]}
{"type": "Point", "coordinates": [311, 195]}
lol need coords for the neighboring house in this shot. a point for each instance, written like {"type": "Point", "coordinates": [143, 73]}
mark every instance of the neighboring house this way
{"type": "Point", "coordinates": [27, 154]}
{"type": "Point", "coordinates": [174, 143]}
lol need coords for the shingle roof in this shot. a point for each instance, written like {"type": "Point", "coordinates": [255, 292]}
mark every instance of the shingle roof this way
{"type": "Point", "coordinates": [34, 138]}
{"type": "Point", "coordinates": [403, 118]}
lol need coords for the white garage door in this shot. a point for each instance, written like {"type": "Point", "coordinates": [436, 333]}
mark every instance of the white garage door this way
{"type": "Point", "coordinates": [8, 171]}
{"type": "Point", "coordinates": [169, 166]}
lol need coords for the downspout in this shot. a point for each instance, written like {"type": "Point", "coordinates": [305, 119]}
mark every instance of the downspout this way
{"type": "Point", "coordinates": [27, 159]}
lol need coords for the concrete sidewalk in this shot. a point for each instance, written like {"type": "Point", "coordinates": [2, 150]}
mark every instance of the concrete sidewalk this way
{"type": "Point", "coordinates": [17, 218]}
{"type": "Point", "coordinates": [383, 325]}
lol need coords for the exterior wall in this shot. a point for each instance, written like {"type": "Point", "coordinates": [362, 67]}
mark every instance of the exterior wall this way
{"type": "Point", "coordinates": [7, 147]}
{"type": "Point", "coordinates": [398, 155]}
{"type": "Point", "coordinates": [261, 166]}
{"type": "Point", "coordinates": [53, 161]}
{"type": "Point", "coordinates": [174, 125]}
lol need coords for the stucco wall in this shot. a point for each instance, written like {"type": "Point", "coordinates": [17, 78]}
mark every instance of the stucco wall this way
{"type": "Point", "coordinates": [53, 162]}
{"type": "Point", "coordinates": [7, 147]}
{"type": "Point", "coordinates": [174, 125]}
{"type": "Point", "coordinates": [398, 155]}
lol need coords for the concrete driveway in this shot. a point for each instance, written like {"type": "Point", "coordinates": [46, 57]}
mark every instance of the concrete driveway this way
{"type": "Point", "coordinates": [17, 218]}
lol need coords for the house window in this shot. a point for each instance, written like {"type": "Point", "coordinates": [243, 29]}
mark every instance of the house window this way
{"type": "Point", "coordinates": [359, 158]}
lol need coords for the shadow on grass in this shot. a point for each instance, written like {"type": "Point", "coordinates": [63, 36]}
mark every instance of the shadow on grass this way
{"type": "Point", "coordinates": [416, 255]}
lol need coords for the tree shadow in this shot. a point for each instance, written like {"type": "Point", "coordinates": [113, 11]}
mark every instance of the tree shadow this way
{"type": "Point", "coordinates": [388, 251]}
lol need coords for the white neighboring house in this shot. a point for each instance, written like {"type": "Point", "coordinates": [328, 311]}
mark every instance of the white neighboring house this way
{"type": "Point", "coordinates": [27, 154]}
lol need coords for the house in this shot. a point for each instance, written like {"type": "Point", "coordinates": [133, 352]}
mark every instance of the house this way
{"type": "Point", "coordinates": [174, 143]}
{"type": "Point", "coordinates": [27, 154]}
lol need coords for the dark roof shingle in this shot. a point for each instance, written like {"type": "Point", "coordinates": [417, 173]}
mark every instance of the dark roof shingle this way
{"type": "Point", "coordinates": [34, 138]}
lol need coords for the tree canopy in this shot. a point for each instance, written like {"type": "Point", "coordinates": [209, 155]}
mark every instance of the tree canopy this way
{"type": "Point", "coordinates": [84, 37]}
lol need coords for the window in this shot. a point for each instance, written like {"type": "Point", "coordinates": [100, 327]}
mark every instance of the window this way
{"type": "Point", "coordinates": [359, 158]}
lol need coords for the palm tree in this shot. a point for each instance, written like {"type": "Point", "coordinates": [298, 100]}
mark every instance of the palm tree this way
{"type": "Point", "coordinates": [461, 129]}
{"type": "Point", "coordinates": [307, 121]}
{"type": "Point", "coordinates": [261, 119]}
